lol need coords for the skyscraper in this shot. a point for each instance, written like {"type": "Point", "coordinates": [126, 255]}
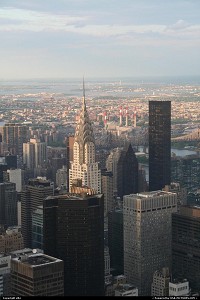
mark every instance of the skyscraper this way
{"type": "Point", "coordinates": [36, 274]}
{"type": "Point", "coordinates": [62, 178]}
{"type": "Point", "coordinates": [84, 165]}
{"type": "Point", "coordinates": [4, 272]}
{"type": "Point", "coordinates": [11, 161]}
{"type": "Point", "coordinates": [124, 165]}
{"type": "Point", "coordinates": [107, 191]}
{"type": "Point", "coordinates": [34, 153]}
{"type": "Point", "coordinates": [29, 155]}
{"type": "Point", "coordinates": [32, 196]}
{"type": "Point", "coordinates": [127, 181]}
{"type": "Point", "coordinates": [14, 135]}
{"type": "Point", "coordinates": [147, 236]}
{"type": "Point", "coordinates": [111, 165]}
{"type": "Point", "coordinates": [186, 245]}
{"type": "Point", "coordinates": [8, 204]}
{"type": "Point", "coordinates": [116, 240]}
{"type": "Point", "coordinates": [16, 176]}
{"type": "Point", "coordinates": [159, 144]}
{"type": "Point", "coordinates": [37, 228]}
{"type": "Point", "coordinates": [73, 231]}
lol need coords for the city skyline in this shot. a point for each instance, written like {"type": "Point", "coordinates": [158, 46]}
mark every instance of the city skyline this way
{"type": "Point", "coordinates": [66, 39]}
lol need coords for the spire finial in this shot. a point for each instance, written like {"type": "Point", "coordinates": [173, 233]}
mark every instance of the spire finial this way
{"type": "Point", "coordinates": [84, 105]}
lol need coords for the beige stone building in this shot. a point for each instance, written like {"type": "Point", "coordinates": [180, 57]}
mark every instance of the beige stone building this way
{"type": "Point", "coordinates": [11, 240]}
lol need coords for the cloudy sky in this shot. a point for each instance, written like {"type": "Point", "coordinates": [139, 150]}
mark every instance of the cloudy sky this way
{"type": "Point", "coordinates": [99, 38]}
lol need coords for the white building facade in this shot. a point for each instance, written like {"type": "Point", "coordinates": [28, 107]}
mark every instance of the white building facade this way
{"type": "Point", "coordinates": [16, 176]}
{"type": "Point", "coordinates": [179, 288]}
{"type": "Point", "coordinates": [34, 153]}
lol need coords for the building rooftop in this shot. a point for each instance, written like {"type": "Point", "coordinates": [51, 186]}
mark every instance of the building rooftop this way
{"type": "Point", "coordinates": [36, 259]}
{"type": "Point", "coordinates": [178, 281]}
{"type": "Point", "coordinates": [71, 196]}
{"type": "Point", "coordinates": [13, 229]}
{"type": "Point", "coordinates": [190, 211]}
{"type": "Point", "coordinates": [150, 194]}
{"type": "Point", "coordinates": [25, 251]}
{"type": "Point", "coordinates": [125, 287]}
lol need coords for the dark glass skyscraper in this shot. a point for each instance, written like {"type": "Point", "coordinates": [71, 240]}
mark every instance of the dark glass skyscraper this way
{"type": "Point", "coordinates": [73, 230]}
{"type": "Point", "coordinates": [116, 240]}
{"type": "Point", "coordinates": [127, 169]}
{"type": "Point", "coordinates": [32, 196]}
{"type": "Point", "coordinates": [159, 144]}
{"type": "Point", "coordinates": [186, 245]}
{"type": "Point", "coordinates": [8, 204]}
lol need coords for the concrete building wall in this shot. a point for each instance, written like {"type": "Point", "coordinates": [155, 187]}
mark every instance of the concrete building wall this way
{"type": "Point", "coordinates": [147, 236]}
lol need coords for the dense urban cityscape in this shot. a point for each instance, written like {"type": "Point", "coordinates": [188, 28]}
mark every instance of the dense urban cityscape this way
{"type": "Point", "coordinates": [100, 149]}
{"type": "Point", "coordinates": [99, 192]}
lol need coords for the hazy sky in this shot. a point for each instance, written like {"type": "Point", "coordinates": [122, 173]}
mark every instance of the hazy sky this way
{"type": "Point", "coordinates": [99, 38]}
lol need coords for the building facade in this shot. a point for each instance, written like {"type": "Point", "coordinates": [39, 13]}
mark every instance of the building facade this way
{"type": "Point", "coordinates": [34, 153]}
{"type": "Point", "coordinates": [179, 288]}
{"type": "Point", "coordinates": [11, 240]}
{"type": "Point", "coordinates": [111, 165]}
{"type": "Point", "coordinates": [16, 176]}
{"type": "Point", "coordinates": [127, 169]}
{"type": "Point", "coordinates": [36, 274]}
{"type": "Point", "coordinates": [116, 240]}
{"type": "Point", "coordinates": [160, 284]}
{"type": "Point", "coordinates": [73, 231]}
{"type": "Point", "coordinates": [159, 144]}
{"type": "Point", "coordinates": [123, 163]}
{"type": "Point", "coordinates": [107, 190]}
{"type": "Point", "coordinates": [62, 178]}
{"type": "Point", "coordinates": [181, 192]}
{"type": "Point", "coordinates": [147, 236]}
{"type": "Point", "coordinates": [4, 273]}
{"type": "Point", "coordinates": [186, 245]}
{"type": "Point", "coordinates": [14, 135]}
{"type": "Point", "coordinates": [37, 228]}
{"type": "Point", "coordinates": [8, 204]}
{"type": "Point", "coordinates": [31, 197]}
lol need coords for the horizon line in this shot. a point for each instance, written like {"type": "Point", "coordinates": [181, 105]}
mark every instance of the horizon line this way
{"type": "Point", "coordinates": [98, 77]}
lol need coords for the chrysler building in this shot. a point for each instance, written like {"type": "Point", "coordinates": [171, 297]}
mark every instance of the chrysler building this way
{"type": "Point", "coordinates": [84, 166]}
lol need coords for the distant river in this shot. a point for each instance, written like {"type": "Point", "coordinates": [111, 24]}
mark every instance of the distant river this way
{"type": "Point", "coordinates": [182, 152]}
{"type": "Point", "coordinates": [178, 152]}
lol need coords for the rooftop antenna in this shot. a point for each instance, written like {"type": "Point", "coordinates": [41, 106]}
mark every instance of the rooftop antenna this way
{"type": "Point", "coordinates": [84, 105]}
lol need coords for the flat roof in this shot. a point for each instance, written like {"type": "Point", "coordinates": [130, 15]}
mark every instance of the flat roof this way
{"type": "Point", "coordinates": [125, 287]}
{"type": "Point", "coordinates": [150, 194]}
{"type": "Point", "coordinates": [72, 196]}
{"type": "Point", "coordinates": [36, 259]}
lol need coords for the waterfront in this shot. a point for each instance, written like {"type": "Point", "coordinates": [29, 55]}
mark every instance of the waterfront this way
{"type": "Point", "coordinates": [177, 152]}
{"type": "Point", "coordinates": [182, 152]}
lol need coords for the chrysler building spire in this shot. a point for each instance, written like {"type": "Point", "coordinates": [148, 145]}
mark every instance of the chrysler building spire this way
{"type": "Point", "coordinates": [84, 131]}
{"type": "Point", "coordinates": [84, 104]}
{"type": "Point", "coordinates": [84, 165]}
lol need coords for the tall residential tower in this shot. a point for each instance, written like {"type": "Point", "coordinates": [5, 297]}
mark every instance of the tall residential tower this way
{"type": "Point", "coordinates": [159, 144]}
